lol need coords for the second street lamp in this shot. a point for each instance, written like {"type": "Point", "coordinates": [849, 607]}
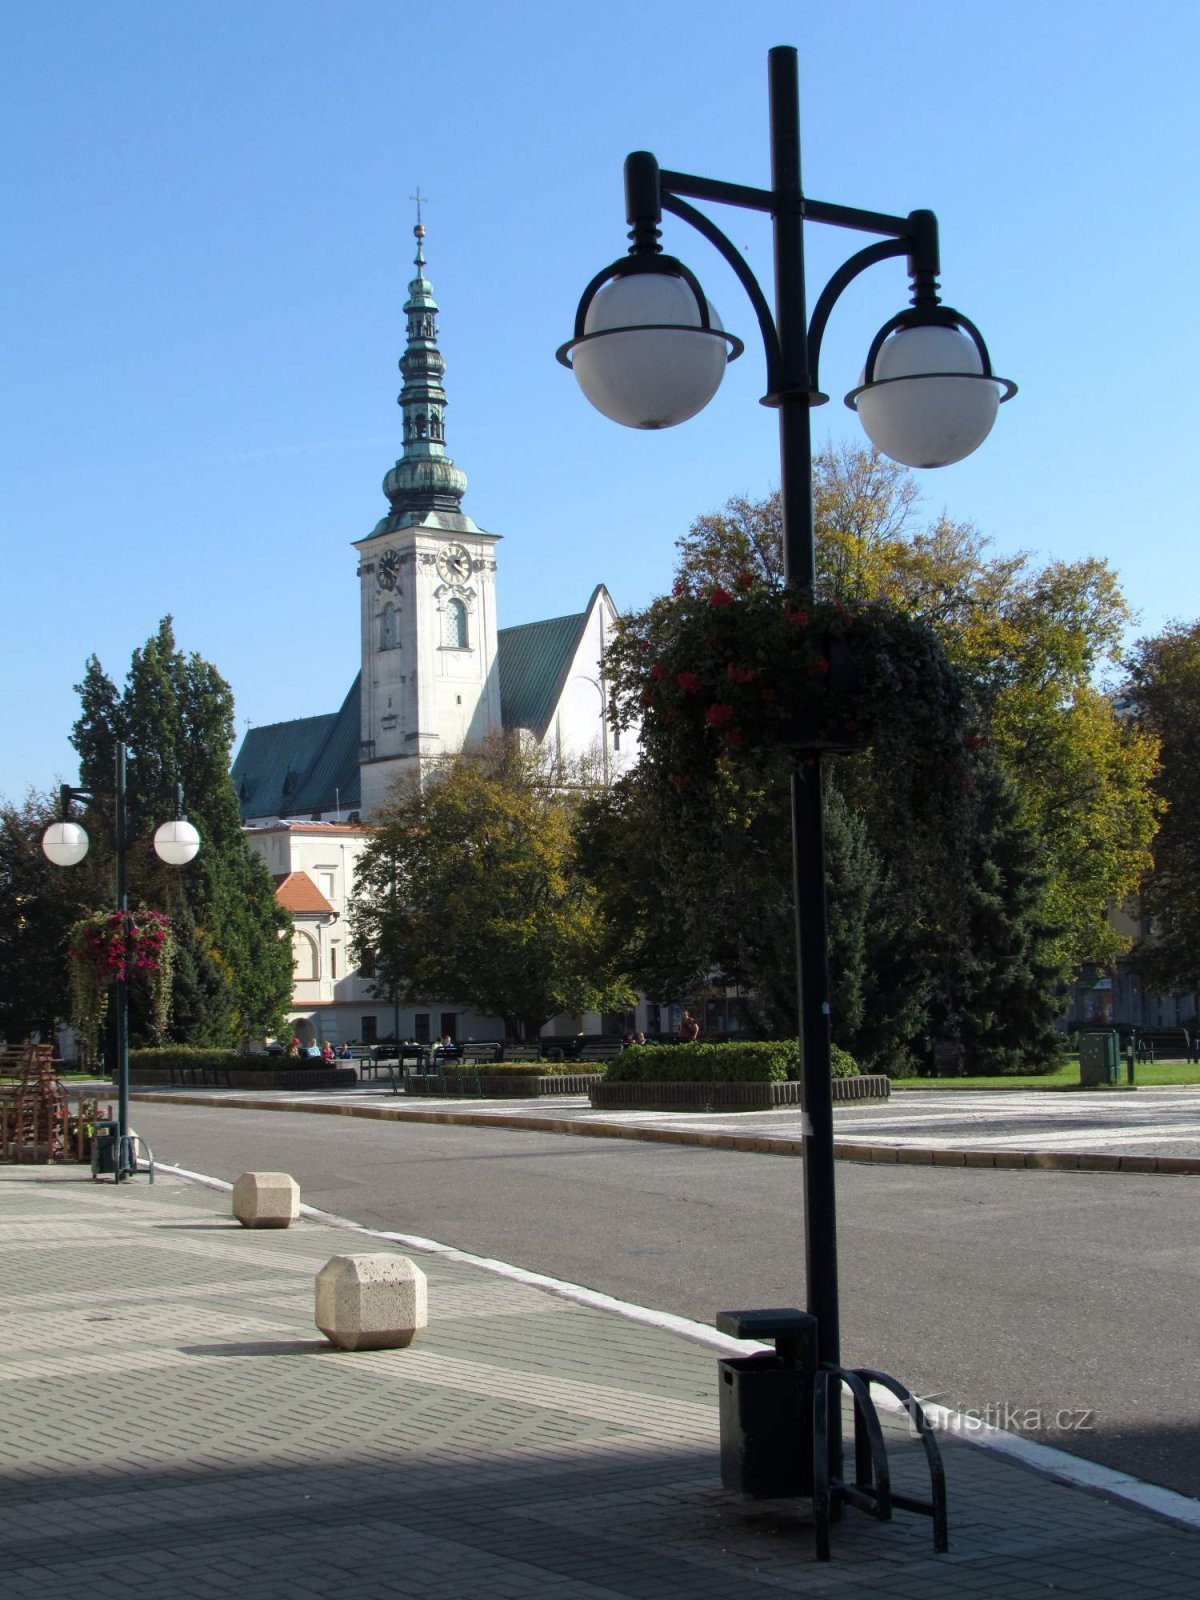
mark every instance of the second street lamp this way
{"type": "Point", "coordinates": [65, 843]}
{"type": "Point", "coordinates": [649, 351]}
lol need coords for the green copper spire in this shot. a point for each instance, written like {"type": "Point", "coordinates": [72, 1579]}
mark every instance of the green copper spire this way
{"type": "Point", "coordinates": [425, 478]}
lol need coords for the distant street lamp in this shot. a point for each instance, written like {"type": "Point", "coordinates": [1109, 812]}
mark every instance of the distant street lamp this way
{"type": "Point", "coordinates": [649, 351]}
{"type": "Point", "coordinates": [65, 843]}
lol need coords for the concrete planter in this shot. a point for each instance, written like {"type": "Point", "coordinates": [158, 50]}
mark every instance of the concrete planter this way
{"type": "Point", "coordinates": [304, 1078]}
{"type": "Point", "coordinates": [499, 1083]}
{"type": "Point", "coordinates": [606, 1096]}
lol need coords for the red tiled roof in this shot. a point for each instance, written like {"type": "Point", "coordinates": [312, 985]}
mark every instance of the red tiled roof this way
{"type": "Point", "coordinates": [296, 891]}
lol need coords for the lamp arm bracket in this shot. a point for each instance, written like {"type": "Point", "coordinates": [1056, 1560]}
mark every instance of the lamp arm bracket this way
{"type": "Point", "coordinates": [862, 221]}
{"type": "Point", "coordinates": [726, 194]}
{"type": "Point", "coordinates": [705, 226]}
{"type": "Point", "coordinates": [833, 290]}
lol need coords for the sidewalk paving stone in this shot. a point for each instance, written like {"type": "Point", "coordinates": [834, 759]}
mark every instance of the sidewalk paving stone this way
{"type": "Point", "coordinates": [172, 1425]}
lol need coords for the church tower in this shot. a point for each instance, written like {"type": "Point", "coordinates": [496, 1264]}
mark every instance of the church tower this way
{"type": "Point", "coordinates": [430, 685]}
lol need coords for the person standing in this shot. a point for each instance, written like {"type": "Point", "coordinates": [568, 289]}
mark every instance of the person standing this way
{"type": "Point", "coordinates": [689, 1029]}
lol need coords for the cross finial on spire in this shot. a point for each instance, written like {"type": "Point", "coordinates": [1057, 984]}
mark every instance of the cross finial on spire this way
{"type": "Point", "coordinates": [419, 230]}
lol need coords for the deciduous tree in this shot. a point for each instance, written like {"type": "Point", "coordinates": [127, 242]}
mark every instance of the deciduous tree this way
{"type": "Point", "coordinates": [470, 890]}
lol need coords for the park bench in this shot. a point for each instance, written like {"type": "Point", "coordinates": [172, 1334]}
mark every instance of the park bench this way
{"type": "Point", "coordinates": [601, 1050]}
{"type": "Point", "coordinates": [1150, 1044]}
{"type": "Point", "coordinates": [522, 1052]}
{"type": "Point", "coordinates": [488, 1050]}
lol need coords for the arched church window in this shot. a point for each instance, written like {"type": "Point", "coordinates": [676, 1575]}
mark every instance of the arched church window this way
{"type": "Point", "coordinates": [456, 625]}
{"type": "Point", "coordinates": [435, 425]}
{"type": "Point", "coordinates": [304, 957]}
{"type": "Point", "coordinates": [389, 629]}
{"type": "Point", "coordinates": [421, 425]}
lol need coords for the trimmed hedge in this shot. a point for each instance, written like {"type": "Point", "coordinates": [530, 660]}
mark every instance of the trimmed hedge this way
{"type": "Point", "coordinates": [749, 1062]}
{"type": "Point", "coordinates": [701, 1063]}
{"type": "Point", "coordinates": [172, 1057]}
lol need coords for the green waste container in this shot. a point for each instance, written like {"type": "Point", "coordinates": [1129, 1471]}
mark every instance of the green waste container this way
{"type": "Point", "coordinates": [104, 1146]}
{"type": "Point", "coordinates": [1099, 1057]}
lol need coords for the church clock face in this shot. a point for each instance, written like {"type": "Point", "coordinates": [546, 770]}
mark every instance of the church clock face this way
{"type": "Point", "coordinates": [454, 563]}
{"type": "Point", "coordinates": [389, 569]}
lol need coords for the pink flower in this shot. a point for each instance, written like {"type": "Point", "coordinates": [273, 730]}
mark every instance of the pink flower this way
{"type": "Point", "coordinates": [738, 674]}
{"type": "Point", "coordinates": [688, 682]}
{"type": "Point", "coordinates": [658, 672]}
{"type": "Point", "coordinates": [718, 714]}
{"type": "Point", "coordinates": [720, 597]}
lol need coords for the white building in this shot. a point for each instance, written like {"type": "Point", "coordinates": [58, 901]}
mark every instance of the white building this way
{"type": "Point", "coordinates": [437, 676]}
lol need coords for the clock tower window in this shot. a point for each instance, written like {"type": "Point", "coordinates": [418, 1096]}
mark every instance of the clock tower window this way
{"type": "Point", "coordinates": [456, 626]}
{"type": "Point", "coordinates": [389, 632]}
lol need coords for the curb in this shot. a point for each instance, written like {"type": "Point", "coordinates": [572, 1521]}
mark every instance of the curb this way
{"type": "Point", "coordinates": [751, 1144]}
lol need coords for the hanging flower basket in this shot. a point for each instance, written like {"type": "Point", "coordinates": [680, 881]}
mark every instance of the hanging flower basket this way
{"type": "Point", "coordinates": [113, 946]}
{"type": "Point", "coordinates": [723, 679]}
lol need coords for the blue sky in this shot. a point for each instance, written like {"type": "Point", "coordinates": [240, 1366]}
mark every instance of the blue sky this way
{"type": "Point", "coordinates": [209, 238]}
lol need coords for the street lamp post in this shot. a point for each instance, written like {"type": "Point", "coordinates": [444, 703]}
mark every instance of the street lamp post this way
{"type": "Point", "coordinates": [649, 351]}
{"type": "Point", "coordinates": [65, 843]}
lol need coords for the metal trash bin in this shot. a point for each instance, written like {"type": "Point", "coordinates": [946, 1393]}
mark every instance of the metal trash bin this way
{"type": "Point", "coordinates": [1099, 1057]}
{"type": "Point", "coordinates": [766, 1404]}
{"type": "Point", "coordinates": [104, 1146]}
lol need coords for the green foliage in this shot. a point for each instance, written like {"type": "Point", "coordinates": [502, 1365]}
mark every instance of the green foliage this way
{"type": "Point", "coordinates": [842, 1063]}
{"type": "Point", "coordinates": [1163, 693]}
{"type": "Point", "coordinates": [471, 887]}
{"type": "Point", "coordinates": [233, 968]}
{"type": "Point", "coordinates": [39, 903]}
{"type": "Point", "coordinates": [173, 1057]}
{"type": "Point", "coordinates": [751, 1062]}
{"type": "Point", "coordinates": [943, 899]}
{"type": "Point", "coordinates": [1033, 644]}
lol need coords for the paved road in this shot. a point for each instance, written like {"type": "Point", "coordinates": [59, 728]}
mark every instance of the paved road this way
{"type": "Point", "coordinates": [1072, 1295]}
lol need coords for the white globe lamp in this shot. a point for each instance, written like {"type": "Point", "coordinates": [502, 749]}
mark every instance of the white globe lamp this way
{"type": "Point", "coordinates": [176, 842]}
{"type": "Point", "coordinates": [65, 843]}
{"type": "Point", "coordinates": [930, 398]}
{"type": "Point", "coordinates": [645, 358]}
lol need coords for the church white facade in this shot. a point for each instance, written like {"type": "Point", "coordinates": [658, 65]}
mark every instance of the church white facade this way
{"type": "Point", "coordinates": [438, 676]}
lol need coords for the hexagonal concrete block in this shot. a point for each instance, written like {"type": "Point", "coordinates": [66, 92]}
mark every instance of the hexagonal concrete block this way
{"type": "Point", "coordinates": [374, 1302]}
{"type": "Point", "coordinates": [266, 1200]}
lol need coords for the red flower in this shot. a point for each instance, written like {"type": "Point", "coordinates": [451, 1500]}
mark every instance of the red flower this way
{"type": "Point", "coordinates": [797, 617]}
{"type": "Point", "coordinates": [718, 714]}
{"type": "Point", "coordinates": [720, 597]}
{"type": "Point", "coordinates": [738, 674]}
{"type": "Point", "coordinates": [678, 587]}
{"type": "Point", "coordinates": [688, 682]}
{"type": "Point", "coordinates": [658, 672]}
{"type": "Point", "coordinates": [732, 738]}
{"type": "Point", "coordinates": [745, 580]}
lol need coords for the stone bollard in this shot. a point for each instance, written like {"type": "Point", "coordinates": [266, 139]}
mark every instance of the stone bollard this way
{"type": "Point", "coordinates": [374, 1302]}
{"type": "Point", "coordinates": [266, 1200]}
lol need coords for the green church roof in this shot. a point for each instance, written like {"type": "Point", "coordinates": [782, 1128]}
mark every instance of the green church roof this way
{"type": "Point", "coordinates": [534, 660]}
{"type": "Point", "coordinates": [302, 767]}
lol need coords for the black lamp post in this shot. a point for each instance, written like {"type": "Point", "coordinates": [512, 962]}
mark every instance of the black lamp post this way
{"type": "Point", "coordinates": [649, 351]}
{"type": "Point", "coordinates": [66, 843]}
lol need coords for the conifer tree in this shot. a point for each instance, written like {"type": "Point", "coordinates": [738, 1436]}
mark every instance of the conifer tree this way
{"type": "Point", "coordinates": [233, 969]}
